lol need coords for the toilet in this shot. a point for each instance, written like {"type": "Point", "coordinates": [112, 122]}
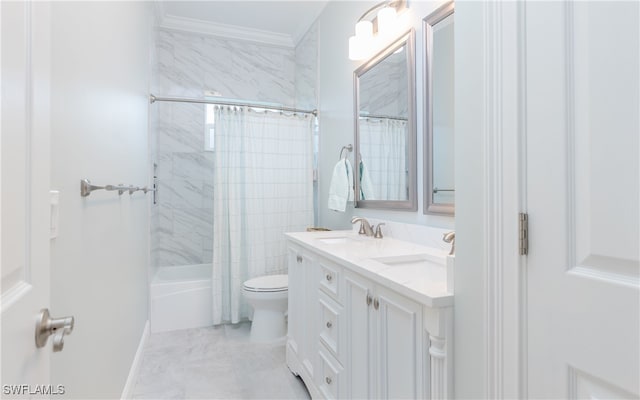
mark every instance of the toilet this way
{"type": "Point", "coordinates": [268, 297]}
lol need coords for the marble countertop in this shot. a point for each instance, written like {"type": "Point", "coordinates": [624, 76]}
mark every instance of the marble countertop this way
{"type": "Point", "coordinates": [415, 271]}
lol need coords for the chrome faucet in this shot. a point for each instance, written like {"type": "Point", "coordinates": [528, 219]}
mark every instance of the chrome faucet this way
{"type": "Point", "coordinates": [378, 234]}
{"type": "Point", "coordinates": [450, 237]}
{"type": "Point", "coordinates": [365, 227]}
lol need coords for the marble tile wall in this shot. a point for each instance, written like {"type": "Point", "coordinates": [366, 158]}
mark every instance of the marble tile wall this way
{"type": "Point", "coordinates": [306, 96]}
{"type": "Point", "coordinates": [182, 230]}
{"type": "Point", "coordinates": [383, 89]}
{"type": "Point", "coordinates": [187, 65]}
{"type": "Point", "coordinates": [306, 78]}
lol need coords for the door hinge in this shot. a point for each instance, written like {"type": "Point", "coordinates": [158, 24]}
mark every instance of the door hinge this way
{"type": "Point", "coordinates": [523, 228]}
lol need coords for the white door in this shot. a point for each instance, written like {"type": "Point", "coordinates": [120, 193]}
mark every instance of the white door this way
{"type": "Point", "coordinates": [582, 129]}
{"type": "Point", "coordinates": [24, 174]}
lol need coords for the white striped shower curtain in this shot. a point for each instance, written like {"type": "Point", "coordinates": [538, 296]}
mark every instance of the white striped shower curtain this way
{"type": "Point", "coordinates": [263, 188]}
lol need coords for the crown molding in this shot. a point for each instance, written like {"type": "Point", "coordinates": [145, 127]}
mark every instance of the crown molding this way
{"type": "Point", "coordinates": [191, 25]}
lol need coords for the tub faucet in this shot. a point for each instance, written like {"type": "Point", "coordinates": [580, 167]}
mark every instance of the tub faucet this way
{"type": "Point", "coordinates": [365, 227]}
{"type": "Point", "coordinates": [450, 237]}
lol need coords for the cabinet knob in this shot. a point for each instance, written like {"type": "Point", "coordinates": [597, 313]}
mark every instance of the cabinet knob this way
{"type": "Point", "coordinates": [299, 259]}
{"type": "Point", "coordinates": [369, 299]}
{"type": "Point", "coordinates": [329, 324]}
{"type": "Point", "coordinates": [328, 380]}
{"type": "Point", "coordinates": [329, 277]}
{"type": "Point", "coordinates": [376, 303]}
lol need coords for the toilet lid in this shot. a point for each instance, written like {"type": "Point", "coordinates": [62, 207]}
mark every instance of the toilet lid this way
{"type": "Point", "coordinates": [268, 283]}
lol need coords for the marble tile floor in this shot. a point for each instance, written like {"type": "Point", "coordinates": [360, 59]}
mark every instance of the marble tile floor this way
{"type": "Point", "coordinates": [215, 363]}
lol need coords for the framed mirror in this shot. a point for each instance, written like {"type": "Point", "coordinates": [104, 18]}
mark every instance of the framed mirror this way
{"type": "Point", "coordinates": [439, 185]}
{"type": "Point", "coordinates": [385, 128]}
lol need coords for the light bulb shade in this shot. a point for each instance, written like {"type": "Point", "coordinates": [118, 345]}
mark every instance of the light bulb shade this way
{"type": "Point", "coordinates": [386, 20]}
{"type": "Point", "coordinates": [357, 48]}
{"type": "Point", "coordinates": [364, 29]}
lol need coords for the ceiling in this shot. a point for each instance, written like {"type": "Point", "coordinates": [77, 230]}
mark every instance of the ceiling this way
{"type": "Point", "coordinates": [280, 23]}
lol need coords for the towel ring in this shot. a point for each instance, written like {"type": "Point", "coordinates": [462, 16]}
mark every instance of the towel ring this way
{"type": "Point", "coordinates": [348, 147]}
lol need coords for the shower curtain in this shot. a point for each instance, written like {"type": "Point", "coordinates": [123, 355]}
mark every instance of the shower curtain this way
{"type": "Point", "coordinates": [263, 188]}
{"type": "Point", "coordinates": [384, 152]}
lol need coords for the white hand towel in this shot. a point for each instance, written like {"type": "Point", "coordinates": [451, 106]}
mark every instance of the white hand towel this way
{"type": "Point", "coordinates": [341, 188]}
{"type": "Point", "coordinates": [366, 187]}
{"type": "Point", "coordinates": [350, 179]}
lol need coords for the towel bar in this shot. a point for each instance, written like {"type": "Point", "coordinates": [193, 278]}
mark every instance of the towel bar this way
{"type": "Point", "coordinates": [86, 188]}
{"type": "Point", "coordinates": [348, 147]}
{"type": "Point", "coordinates": [436, 190]}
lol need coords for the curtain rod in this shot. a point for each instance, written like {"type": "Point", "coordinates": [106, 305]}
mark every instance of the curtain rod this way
{"type": "Point", "coordinates": [373, 116]}
{"type": "Point", "coordinates": [153, 99]}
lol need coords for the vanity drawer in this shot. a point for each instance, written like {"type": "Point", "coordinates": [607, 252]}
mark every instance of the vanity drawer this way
{"type": "Point", "coordinates": [329, 313]}
{"type": "Point", "coordinates": [329, 277]}
{"type": "Point", "coordinates": [328, 378]}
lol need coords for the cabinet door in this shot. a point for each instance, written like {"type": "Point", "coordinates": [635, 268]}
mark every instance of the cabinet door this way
{"type": "Point", "coordinates": [310, 305]}
{"type": "Point", "coordinates": [296, 304]}
{"type": "Point", "coordinates": [399, 343]}
{"type": "Point", "coordinates": [358, 357]}
{"type": "Point", "coordinates": [303, 298]}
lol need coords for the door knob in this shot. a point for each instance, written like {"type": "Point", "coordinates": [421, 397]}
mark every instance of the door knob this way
{"type": "Point", "coordinates": [58, 327]}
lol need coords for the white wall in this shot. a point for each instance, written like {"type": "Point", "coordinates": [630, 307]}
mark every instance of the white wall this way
{"type": "Point", "coordinates": [335, 25]}
{"type": "Point", "coordinates": [470, 274]}
{"type": "Point", "coordinates": [100, 70]}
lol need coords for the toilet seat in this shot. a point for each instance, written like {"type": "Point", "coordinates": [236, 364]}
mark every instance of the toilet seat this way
{"type": "Point", "coordinates": [268, 283]}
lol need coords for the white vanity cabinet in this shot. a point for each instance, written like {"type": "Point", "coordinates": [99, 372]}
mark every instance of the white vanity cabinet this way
{"type": "Point", "coordinates": [354, 334]}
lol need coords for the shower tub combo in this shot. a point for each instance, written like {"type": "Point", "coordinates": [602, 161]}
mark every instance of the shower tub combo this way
{"type": "Point", "coordinates": [181, 298]}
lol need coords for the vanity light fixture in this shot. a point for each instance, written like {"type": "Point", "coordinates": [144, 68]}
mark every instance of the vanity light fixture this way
{"type": "Point", "coordinates": [373, 33]}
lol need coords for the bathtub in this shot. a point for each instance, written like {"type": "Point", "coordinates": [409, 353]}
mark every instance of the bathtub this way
{"type": "Point", "coordinates": [181, 298]}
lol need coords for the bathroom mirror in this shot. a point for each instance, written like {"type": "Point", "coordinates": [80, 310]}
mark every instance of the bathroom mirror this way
{"type": "Point", "coordinates": [385, 128]}
{"type": "Point", "coordinates": [439, 187]}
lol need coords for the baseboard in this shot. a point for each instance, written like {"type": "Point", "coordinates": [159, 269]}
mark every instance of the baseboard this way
{"type": "Point", "coordinates": [127, 392]}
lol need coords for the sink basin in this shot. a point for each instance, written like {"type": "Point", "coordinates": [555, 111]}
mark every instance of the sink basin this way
{"type": "Point", "coordinates": [334, 240]}
{"type": "Point", "coordinates": [412, 261]}
{"type": "Point", "coordinates": [419, 271]}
